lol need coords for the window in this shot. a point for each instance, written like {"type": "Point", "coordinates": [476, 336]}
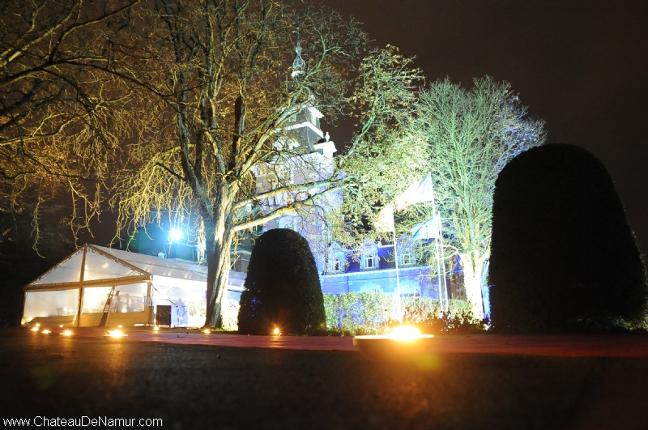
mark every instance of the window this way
{"type": "Point", "coordinates": [407, 259]}
{"type": "Point", "coordinates": [128, 303]}
{"type": "Point", "coordinates": [273, 184]}
{"type": "Point", "coordinates": [370, 261]}
{"type": "Point", "coordinates": [337, 265]}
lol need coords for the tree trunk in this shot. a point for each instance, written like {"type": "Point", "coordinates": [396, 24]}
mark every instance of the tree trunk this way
{"type": "Point", "coordinates": [219, 234]}
{"type": "Point", "coordinates": [473, 266]}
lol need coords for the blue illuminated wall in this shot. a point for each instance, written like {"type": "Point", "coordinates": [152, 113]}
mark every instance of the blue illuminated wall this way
{"type": "Point", "coordinates": [414, 278]}
{"type": "Point", "coordinates": [412, 281]}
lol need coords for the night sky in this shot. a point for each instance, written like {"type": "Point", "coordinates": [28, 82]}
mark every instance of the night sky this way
{"type": "Point", "coordinates": [580, 66]}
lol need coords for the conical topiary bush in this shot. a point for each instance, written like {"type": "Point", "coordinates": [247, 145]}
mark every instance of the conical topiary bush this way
{"type": "Point", "coordinates": [563, 255]}
{"type": "Point", "coordinates": [282, 287]}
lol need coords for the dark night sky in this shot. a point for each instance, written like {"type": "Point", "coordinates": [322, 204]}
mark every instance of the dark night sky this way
{"type": "Point", "coordinates": [580, 66]}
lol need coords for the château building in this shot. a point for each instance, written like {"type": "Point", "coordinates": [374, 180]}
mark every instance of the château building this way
{"type": "Point", "coordinates": [375, 267]}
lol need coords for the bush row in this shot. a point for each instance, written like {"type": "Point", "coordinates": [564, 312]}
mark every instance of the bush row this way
{"type": "Point", "coordinates": [373, 312]}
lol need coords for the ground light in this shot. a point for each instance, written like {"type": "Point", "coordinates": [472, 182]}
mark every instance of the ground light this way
{"type": "Point", "coordinates": [405, 333]}
{"type": "Point", "coordinates": [35, 329]}
{"type": "Point", "coordinates": [403, 340]}
{"type": "Point", "coordinates": [67, 332]}
{"type": "Point", "coordinates": [276, 331]}
{"type": "Point", "coordinates": [156, 328]}
{"type": "Point", "coordinates": [46, 331]}
{"type": "Point", "coordinates": [206, 331]}
{"type": "Point", "coordinates": [116, 333]}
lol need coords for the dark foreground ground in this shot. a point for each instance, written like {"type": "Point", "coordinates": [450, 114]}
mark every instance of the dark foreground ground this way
{"type": "Point", "coordinates": [206, 387]}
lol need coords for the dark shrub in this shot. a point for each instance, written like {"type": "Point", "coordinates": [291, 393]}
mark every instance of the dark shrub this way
{"type": "Point", "coordinates": [563, 256]}
{"type": "Point", "coordinates": [282, 287]}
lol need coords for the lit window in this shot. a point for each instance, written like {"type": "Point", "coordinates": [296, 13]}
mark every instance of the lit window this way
{"type": "Point", "coordinates": [407, 259]}
{"type": "Point", "coordinates": [337, 265]}
{"type": "Point", "coordinates": [370, 261]}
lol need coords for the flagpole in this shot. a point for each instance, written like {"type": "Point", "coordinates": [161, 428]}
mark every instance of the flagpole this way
{"type": "Point", "coordinates": [399, 308]}
{"type": "Point", "coordinates": [438, 241]}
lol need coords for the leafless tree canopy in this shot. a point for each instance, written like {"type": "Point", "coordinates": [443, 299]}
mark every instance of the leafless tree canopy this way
{"type": "Point", "coordinates": [220, 87]}
{"type": "Point", "coordinates": [59, 121]}
{"type": "Point", "coordinates": [469, 136]}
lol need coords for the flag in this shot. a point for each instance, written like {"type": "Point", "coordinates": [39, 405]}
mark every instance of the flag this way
{"type": "Point", "coordinates": [385, 221]}
{"type": "Point", "coordinates": [429, 229]}
{"type": "Point", "coordinates": [418, 192]}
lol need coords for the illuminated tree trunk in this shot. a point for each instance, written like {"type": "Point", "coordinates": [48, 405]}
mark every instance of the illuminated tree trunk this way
{"type": "Point", "coordinates": [473, 266]}
{"type": "Point", "coordinates": [219, 234]}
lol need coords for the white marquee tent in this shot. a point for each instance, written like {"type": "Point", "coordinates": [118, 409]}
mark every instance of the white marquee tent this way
{"type": "Point", "coordinates": [122, 287]}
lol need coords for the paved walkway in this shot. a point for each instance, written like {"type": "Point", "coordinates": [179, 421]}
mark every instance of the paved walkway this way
{"type": "Point", "coordinates": [540, 345]}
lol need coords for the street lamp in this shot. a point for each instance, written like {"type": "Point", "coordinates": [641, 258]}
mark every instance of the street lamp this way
{"type": "Point", "coordinates": [175, 235]}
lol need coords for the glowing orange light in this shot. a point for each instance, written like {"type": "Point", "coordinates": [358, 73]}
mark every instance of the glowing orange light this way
{"type": "Point", "coordinates": [35, 329]}
{"type": "Point", "coordinates": [206, 331]}
{"type": "Point", "coordinates": [156, 328]}
{"type": "Point", "coordinates": [405, 333]}
{"type": "Point", "coordinates": [46, 331]}
{"type": "Point", "coordinates": [60, 325]}
{"type": "Point", "coordinates": [67, 332]}
{"type": "Point", "coordinates": [276, 331]}
{"type": "Point", "coordinates": [116, 333]}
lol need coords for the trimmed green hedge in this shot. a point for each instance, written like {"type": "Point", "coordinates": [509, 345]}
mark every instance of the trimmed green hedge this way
{"type": "Point", "coordinates": [370, 312]}
{"type": "Point", "coordinates": [357, 313]}
{"type": "Point", "coordinates": [563, 257]}
{"type": "Point", "coordinates": [282, 287]}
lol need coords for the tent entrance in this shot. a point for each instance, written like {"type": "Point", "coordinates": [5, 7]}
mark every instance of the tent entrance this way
{"type": "Point", "coordinates": [163, 315]}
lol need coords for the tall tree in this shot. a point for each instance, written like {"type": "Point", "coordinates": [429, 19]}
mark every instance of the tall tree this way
{"type": "Point", "coordinates": [58, 122]}
{"type": "Point", "coordinates": [387, 153]}
{"type": "Point", "coordinates": [470, 135]}
{"type": "Point", "coordinates": [220, 88]}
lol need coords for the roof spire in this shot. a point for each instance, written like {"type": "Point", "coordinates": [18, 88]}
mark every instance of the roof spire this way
{"type": "Point", "coordinates": [298, 64]}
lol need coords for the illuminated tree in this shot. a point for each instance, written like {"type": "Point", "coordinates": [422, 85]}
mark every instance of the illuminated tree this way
{"type": "Point", "coordinates": [220, 92]}
{"type": "Point", "coordinates": [387, 153]}
{"type": "Point", "coordinates": [470, 135]}
{"type": "Point", "coordinates": [59, 124]}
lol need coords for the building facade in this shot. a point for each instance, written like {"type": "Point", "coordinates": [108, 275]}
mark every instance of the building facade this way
{"type": "Point", "coordinates": [308, 156]}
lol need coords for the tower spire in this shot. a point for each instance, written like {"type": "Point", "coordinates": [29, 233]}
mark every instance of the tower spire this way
{"type": "Point", "coordinates": [298, 64]}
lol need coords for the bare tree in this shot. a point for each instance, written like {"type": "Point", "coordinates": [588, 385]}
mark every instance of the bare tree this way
{"type": "Point", "coordinates": [58, 122]}
{"type": "Point", "coordinates": [387, 154]}
{"type": "Point", "coordinates": [469, 136]}
{"type": "Point", "coordinates": [222, 82]}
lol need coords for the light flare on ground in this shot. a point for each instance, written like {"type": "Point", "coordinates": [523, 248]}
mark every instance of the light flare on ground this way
{"type": "Point", "coordinates": [405, 333]}
{"type": "Point", "coordinates": [404, 341]}
{"type": "Point", "coordinates": [116, 333]}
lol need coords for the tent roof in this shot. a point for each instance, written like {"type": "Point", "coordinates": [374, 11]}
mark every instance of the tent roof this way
{"type": "Point", "coordinates": [159, 266]}
{"type": "Point", "coordinates": [107, 264]}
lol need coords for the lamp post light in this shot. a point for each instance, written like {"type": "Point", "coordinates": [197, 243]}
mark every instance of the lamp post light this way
{"type": "Point", "coordinates": [175, 235]}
